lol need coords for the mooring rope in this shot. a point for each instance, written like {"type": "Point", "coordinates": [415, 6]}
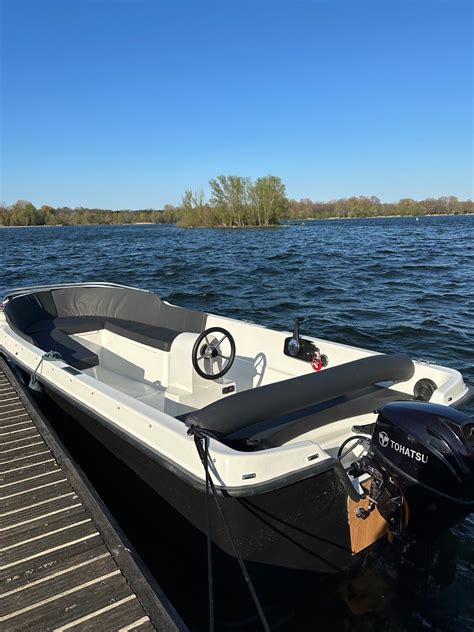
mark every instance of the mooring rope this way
{"type": "Point", "coordinates": [201, 439]}
{"type": "Point", "coordinates": [51, 356]}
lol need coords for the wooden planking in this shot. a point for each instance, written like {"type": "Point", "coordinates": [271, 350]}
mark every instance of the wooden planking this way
{"type": "Point", "coordinates": [364, 532]}
{"type": "Point", "coordinates": [12, 536]}
{"type": "Point", "coordinates": [37, 570]}
{"type": "Point", "coordinates": [13, 456]}
{"type": "Point", "coordinates": [35, 510]}
{"type": "Point", "coordinates": [117, 615]}
{"type": "Point", "coordinates": [27, 481]}
{"type": "Point", "coordinates": [56, 609]}
{"type": "Point", "coordinates": [63, 565]}
{"type": "Point", "coordinates": [35, 494]}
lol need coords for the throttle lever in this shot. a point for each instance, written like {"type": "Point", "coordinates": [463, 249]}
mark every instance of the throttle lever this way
{"type": "Point", "coordinates": [294, 344]}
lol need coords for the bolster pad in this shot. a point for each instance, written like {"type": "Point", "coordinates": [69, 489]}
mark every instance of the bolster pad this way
{"type": "Point", "coordinates": [280, 398]}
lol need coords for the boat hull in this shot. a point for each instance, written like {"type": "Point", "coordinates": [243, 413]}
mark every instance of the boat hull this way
{"type": "Point", "coordinates": [303, 526]}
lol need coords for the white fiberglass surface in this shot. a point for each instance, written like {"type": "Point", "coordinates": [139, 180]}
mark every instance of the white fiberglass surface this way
{"type": "Point", "coordinates": [164, 380]}
{"type": "Point", "coordinates": [168, 382]}
{"type": "Point", "coordinates": [151, 394]}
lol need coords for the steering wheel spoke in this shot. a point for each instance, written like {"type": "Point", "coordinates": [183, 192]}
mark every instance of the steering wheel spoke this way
{"type": "Point", "coordinates": [206, 352]}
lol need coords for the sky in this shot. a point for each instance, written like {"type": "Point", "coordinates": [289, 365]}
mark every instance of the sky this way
{"type": "Point", "coordinates": [127, 103]}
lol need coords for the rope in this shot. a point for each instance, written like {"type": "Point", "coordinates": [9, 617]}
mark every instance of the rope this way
{"type": "Point", "coordinates": [204, 456]}
{"type": "Point", "coordinates": [201, 439]}
{"type": "Point", "coordinates": [50, 356]}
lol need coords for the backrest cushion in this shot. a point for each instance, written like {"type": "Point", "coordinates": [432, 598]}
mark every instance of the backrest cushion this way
{"type": "Point", "coordinates": [135, 305]}
{"type": "Point", "coordinates": [181, 319]}
{"type": "Point", "coordinates": [22, 311]}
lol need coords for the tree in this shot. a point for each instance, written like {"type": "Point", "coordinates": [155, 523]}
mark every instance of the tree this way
{"type": "Point", "coordinates": [268, 201]}
{"type": "Point", "coordinates": [194, 209]}
{"type": "Point", "coordinates": [229, 199]}
{"type": "Point", "coordinates": [407, 206]}
{"type": "Point", "coordinates": [24, 213]}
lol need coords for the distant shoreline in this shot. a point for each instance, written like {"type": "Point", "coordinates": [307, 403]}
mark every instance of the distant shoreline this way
{"type": "Point", "coordinates": [284, 222]}
{"type": "Point", "coordinates": [78, 225]}
{"type": "Point", "coordinates": [388, 216]}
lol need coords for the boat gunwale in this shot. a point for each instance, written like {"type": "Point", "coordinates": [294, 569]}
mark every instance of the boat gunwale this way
{"type": "Point", "coordinates": [199, 484]}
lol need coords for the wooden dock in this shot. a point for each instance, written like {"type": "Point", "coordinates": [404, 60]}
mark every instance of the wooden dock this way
{"type": "Point", "coordinates": [64, 565]}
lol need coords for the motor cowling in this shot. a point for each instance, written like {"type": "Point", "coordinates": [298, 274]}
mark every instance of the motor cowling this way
{"type": "Point", "coordinates": [421, 458]}
{"type": "Point", "coordinates": [427, 445]}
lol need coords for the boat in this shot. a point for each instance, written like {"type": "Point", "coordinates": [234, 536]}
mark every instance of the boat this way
{"type": "Point", "coordinates": [289, 450]}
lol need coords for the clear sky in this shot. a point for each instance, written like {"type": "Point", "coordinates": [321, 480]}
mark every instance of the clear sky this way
{"type": "Point", "coordinates": [125, 103]}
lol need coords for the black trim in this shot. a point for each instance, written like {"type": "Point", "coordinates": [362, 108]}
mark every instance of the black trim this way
{"type": "Point", "coordinates": [72, 370]}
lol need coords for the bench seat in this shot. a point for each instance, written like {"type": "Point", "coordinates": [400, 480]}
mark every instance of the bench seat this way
{"type": "Point", "coordinates": [54, 334]}
{"type": "Point", "coordinates": [72, 352]}
{"type": "Point", "coordinates": [150, 335]}
{"type": "Point", "coordinates": [47, 318]}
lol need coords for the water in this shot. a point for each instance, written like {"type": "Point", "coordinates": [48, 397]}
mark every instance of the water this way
{"type": "Point", "coordinates": [394, 284]}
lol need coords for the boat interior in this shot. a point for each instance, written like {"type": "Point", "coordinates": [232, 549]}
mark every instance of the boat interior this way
{"type": "Point", "coordinates": [249, 392]}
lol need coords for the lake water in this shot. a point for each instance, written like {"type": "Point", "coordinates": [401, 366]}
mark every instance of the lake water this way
{"type": "Point", "coordinates": [391, 285]}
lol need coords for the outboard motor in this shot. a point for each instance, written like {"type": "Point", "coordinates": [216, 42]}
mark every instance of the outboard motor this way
{"type": "Point", "coordinates": [421, 460]}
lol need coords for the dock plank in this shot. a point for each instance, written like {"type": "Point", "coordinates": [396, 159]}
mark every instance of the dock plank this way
{"type": "Point", "coordinates": [34, 529]}
{"type": "Point", "coordinates": [73, 603]}
{"type": "Point", "coordinates": [34, 495]}
{"type": "Point", "coordinates": [63, 564]}
{"type": "Point", "coordinates": [43, 467]}
{"type": "Point", "coordinates": [39, 570]}
{"type": "Point", "coordinates": [36, 510]}
{"type": "Point", "coordinates": [13, 456]}
{"type": "Point", "coordinates": [58, 581]}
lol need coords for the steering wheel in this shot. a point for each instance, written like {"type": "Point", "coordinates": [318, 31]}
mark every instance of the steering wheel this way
{"type": "Point", "coordinates": [210, 350]}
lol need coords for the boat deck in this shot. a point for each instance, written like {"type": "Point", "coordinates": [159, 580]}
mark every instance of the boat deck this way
{"type": "Point", "coordinates": [63, 564]}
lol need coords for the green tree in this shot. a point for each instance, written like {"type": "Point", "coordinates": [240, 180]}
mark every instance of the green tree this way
{"type": "Point", "coordinates": [230, 199]}
{"type": "Point", "coordinates": [268, 201]}
{"type": "Point", "coordinates": [24, 213]}
{"type": "Point", "coordinates": [194, 210]}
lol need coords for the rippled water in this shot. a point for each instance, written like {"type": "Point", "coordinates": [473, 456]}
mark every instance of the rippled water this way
{"type": "Point", "coordinates": [394, 284]}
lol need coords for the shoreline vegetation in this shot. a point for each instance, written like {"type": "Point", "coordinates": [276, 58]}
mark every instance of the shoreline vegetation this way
{"type": "Point", "coordinates": [235, 202]}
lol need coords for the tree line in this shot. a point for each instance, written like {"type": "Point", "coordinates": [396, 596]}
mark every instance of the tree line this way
{"type": "Point", "coordinates": [363, 206]}
{"type": "Point", "coordinates": [234, 201]}
{"type": "Point", "coordinates": [24, 213]}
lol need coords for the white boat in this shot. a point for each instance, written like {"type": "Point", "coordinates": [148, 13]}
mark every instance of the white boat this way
{"type": "Point", "coordinates": [314, 450]}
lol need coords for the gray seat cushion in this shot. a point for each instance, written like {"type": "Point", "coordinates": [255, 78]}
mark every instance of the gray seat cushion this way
{"type": "Point", "coordinates": [54, 335]}
{"type": "Point", "coordinates": [48, 318]}
{"type": "Point", "coordinates": [68, 324]}
{"type": "Point", "coordinates": [23, 312]}
{"type": "Point", "coordinates": [269, 404]}
{"type": "Point", "coordinates": [158, 337]}
{"type": "Point", "coordinates": [71, 351]}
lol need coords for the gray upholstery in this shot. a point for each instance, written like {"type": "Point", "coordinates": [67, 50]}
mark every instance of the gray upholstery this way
{"type": "Point", "coordinates": [72, 352]}
{"type": "Point", "coordinates": [126, 304]}
{"type": "Point", "coordinates": [276, 432]}
{"type": "Point", "coordinates": [136, 306]}
{"type": "Point", "coordinates": [158, 337]}
{"type": "Point", "coordinates": [24, 311]}
{"type": "Point", "coordinates": [69, 324]}
{"type": "Point", "coordinates": [48, 318]}
{"type": "Point", "coordinates": [271, 402]}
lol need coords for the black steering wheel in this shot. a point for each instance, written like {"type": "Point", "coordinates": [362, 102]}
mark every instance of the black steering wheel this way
{"type": "Point", "coordinates": [211, 350]}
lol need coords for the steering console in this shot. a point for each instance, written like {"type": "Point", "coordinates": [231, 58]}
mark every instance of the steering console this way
{"type": "Point", "coordinates": [214, 348]}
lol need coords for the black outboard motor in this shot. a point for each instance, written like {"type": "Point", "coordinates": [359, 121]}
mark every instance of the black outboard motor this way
{"type": "Point", "coordinates": [421, 460]}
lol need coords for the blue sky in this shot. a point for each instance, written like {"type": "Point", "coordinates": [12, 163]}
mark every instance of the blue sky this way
{"type": "Point", "coordinates": [124, 104]}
